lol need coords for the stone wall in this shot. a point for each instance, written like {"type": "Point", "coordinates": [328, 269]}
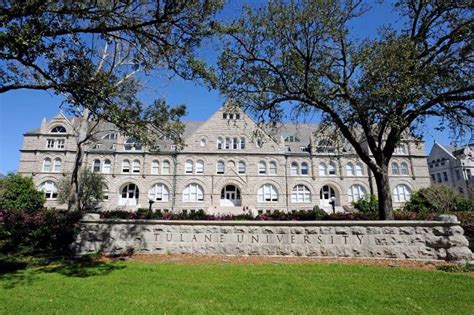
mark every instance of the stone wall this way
{"type": "Point", "coordinates": [425, 240]}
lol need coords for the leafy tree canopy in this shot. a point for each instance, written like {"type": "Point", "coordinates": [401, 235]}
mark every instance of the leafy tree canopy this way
{"type": "Point", "coordinates": [303, 56]}
{"type": "Point", "coordinates": [17, 192]}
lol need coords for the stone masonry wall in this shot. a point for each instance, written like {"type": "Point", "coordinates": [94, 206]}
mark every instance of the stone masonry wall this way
{"type": "Point", "coordinates": [424, 240]}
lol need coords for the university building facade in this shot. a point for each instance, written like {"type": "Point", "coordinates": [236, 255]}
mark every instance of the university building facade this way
{"type": "Point", "coordinates": [228, 165]}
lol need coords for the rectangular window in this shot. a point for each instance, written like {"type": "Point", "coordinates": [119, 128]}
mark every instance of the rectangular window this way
{"type": "Point", "coordinates": [445, 175]}
{"type": "Point", "coordinates": [433, 177]}
{"type": "Point", "coordinates": [50, 144]}
{"type": "Point", "coordinates": [438, 176]}
{"type": "Point", "coordinates": [60, 144]}
{"type": "Point", "coordinates": [468, 173]}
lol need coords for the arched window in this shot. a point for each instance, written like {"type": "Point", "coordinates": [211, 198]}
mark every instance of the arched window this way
{"type": "Point", "coordinates": [272, 168]}
{"type": "Point", "coordinates": [219, 143]}
{"type": "Point", "coordinates": [401, 193]}
{"type": "Point", "coordinates": [126, 166]}
{"type": "Point", "coordinates": [96, 166]}
{"type": "Point", "coordinates": [349, 169]}
{"type": "Point", "coordinates": [262, 168]}
{"type": "Point", "coordinates": [322, 169]}
{"type": "Point", "coordinates": [57, 165]}
{"type": "Point", "coordinates": [155, 167]}
{"type": "Point", "coordinates": [356, 192]}
{"type": "Point", "coordinates": [58, 129]}
{"type": "Point", "coordinates": [129, 195]}
{"type": "Point", "coordinates": [136, 166]}
{"type": "Point", "coordinates": [301, 194]}
{"type": "Point", "coordinates": [227, 143]}
{"type": "Point", "coordinates": [158, 192]}
{"type": "Point", "coordinates": [193, 193]}
{"type": "Point", "coordinates": [242, 168]}
{"type": "Point", "coordinates": [359, 169]}
{"type": "Point", "coordinates": [332, 169]}
{"type": "Point", "coordinates": [188, 167]}
{"type": "Point", "coordinates": [242, 143]}
{"type": "Point", "coordinates": [106, 166]}
{"type": "Point", "coordinates": [199, 167]}
{"type": "Point", "coordinates": [235, 143]}
{"type": "Point", "coordinates": [304, 168]}
{"type": "Point", "coordinates": [395, 169]}
{"type": "Point", "coordinates": [49, 189]}
{"type": "Point", "coordinates": [267, 193]}
{"type": "Point", "coordinates": [294, 168]}
{"type": "Point", "coordinates": [165, 168]}
{"type": "Point", "coordinates": [47, 165]}
{"type": "Point", "coordinates": [132, 145]}
{"type": "Point", "coordinates": [404, 168]}
{"type": "Point", "coordinates": [220, 167]}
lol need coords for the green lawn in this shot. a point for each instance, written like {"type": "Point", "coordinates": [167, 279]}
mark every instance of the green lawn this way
{"type": "Point", "coordinates": [140, 288]}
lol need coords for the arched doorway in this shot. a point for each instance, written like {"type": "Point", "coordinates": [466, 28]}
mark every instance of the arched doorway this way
{"type": "Point", "coordinates": [129, 195]}
{"type": "Point", "coordinates": [326, 194]}
{"type": "Point", "coordinates": [230, 196]}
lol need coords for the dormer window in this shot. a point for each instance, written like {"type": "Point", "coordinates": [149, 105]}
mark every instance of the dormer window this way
{"type": "Point", "coordinates": [292, 139]}
{"type": "Point", "coordinates": [110, 136]}
{"type": "Point", "coordinates": [230, 116]}
{"type": "Point", "coordinates": [132, 145]}
{"type": "Point", "coordinates": [325, 146]}
{"type": "Point", "coordinates": [58, 129]}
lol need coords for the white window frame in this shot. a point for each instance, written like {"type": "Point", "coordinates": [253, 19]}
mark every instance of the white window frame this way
{"type": "Point", "coordinates": [356, 192]}
{"type": "Point", "coordinates": [359, 169]}
{"type": "Point", "coordinates": [47, 165]}
{"type": "Point", "coordinates": [96, 166]}
{"type": "Point", "coordinates": [294, 168]}
{"type": "Point", "coordinates": [220, 167]}
{"type": "Point", "coordinates": [199, 167]}
{"type": "Point", "coordinates": [57, 165]}
{"type": "Point", "coordinates": [262, 168]}
{"type": "Point", "coordinates": [332, 169]}
{"type": "Point", "coordinates": [322, 169]}
{"type": "Point", "coordinates": [165, 167]}
{"type": "Point", "coordinates": [404, 170]}
{"type": "Point", "coordinates": [159, 193]}
{"type": "Point", "coordinates": [401, 193]}
{"type": "Point", "coordinates": [300, 194]}
{"type": "Point", "coordinates": [49, 189]}
{"type": "Point", "coordinates": [267, 193]}
{"type": "Point", "coordinates": [193, 193]}
{"type": "Point", "coordinates": [188, 167]}
{"type": "Point", "coordinates": [272, 168]}
{"type": "Point", "coordinates": [242, 167]}
{"type": "Point", "coordinates": [155, 167]}
{"type": "Point", "coordinates": [126, 167]}
{"type": "Point", "coordinates": [349, 169]}
{"type": "Point", "coordinates": [395, 168]}
{"type": "Point", "coordinates": [106, 166]}
{"type": "Point", "coordinates": [136, 167]}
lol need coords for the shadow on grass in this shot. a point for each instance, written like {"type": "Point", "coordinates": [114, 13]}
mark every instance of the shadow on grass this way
{"type": "Point", "coordinates": [16, 271]}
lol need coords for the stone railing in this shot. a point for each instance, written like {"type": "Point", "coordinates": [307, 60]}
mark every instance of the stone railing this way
{"type": "Point", "coordinates": [442, 239]}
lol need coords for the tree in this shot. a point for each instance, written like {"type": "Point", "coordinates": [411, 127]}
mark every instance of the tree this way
{"type": "Point", "coordinates": [91, 190]}
{"type": "Point", "coordinates": [302, 55]}
{"type": "Point", "coordinates": [17, 192]}
{"type": "Point", "coordinates": [91, 52]}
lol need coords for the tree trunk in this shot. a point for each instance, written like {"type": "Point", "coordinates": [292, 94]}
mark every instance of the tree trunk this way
{"type": "Point", "coordinates": [74, 202]}
{"type": "Point", "coordinates": [384, 193]}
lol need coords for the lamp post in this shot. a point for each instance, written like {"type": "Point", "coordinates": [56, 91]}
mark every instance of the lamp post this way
{"type": "Point", "coordinates": [151, 202]}
{"type": "Point", "coordinates": [333, 204]}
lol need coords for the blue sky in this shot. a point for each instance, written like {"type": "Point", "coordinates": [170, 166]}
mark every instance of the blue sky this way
{"type": "Point", "coordinates": [23, 110]}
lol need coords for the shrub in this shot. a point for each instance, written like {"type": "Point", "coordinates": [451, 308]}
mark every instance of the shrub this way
{"type": "Point", "coordinates": [367, 205]}
{"type": "Point", "coordinates": [437, 199]}
{"type": "Point", "coordinates": [17, 192]}
{"type": "Point", "coordinates": [40, 231]}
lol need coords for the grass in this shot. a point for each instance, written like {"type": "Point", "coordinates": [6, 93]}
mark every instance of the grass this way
{"type": "Point", "coordinates": [141, 288]}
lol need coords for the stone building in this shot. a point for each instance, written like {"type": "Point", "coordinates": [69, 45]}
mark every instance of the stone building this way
{"type": "Point", "coordinates": [228, 165]}
{"type": "Point", "coordinates": [453, 167]}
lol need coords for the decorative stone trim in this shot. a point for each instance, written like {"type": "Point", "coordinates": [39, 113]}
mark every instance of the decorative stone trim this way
{"type": "Point", "coordinates": [422, 240]}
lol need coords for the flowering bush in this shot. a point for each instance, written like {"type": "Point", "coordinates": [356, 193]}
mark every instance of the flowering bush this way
{"type": "Point", "coordinates": [44, 230]}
